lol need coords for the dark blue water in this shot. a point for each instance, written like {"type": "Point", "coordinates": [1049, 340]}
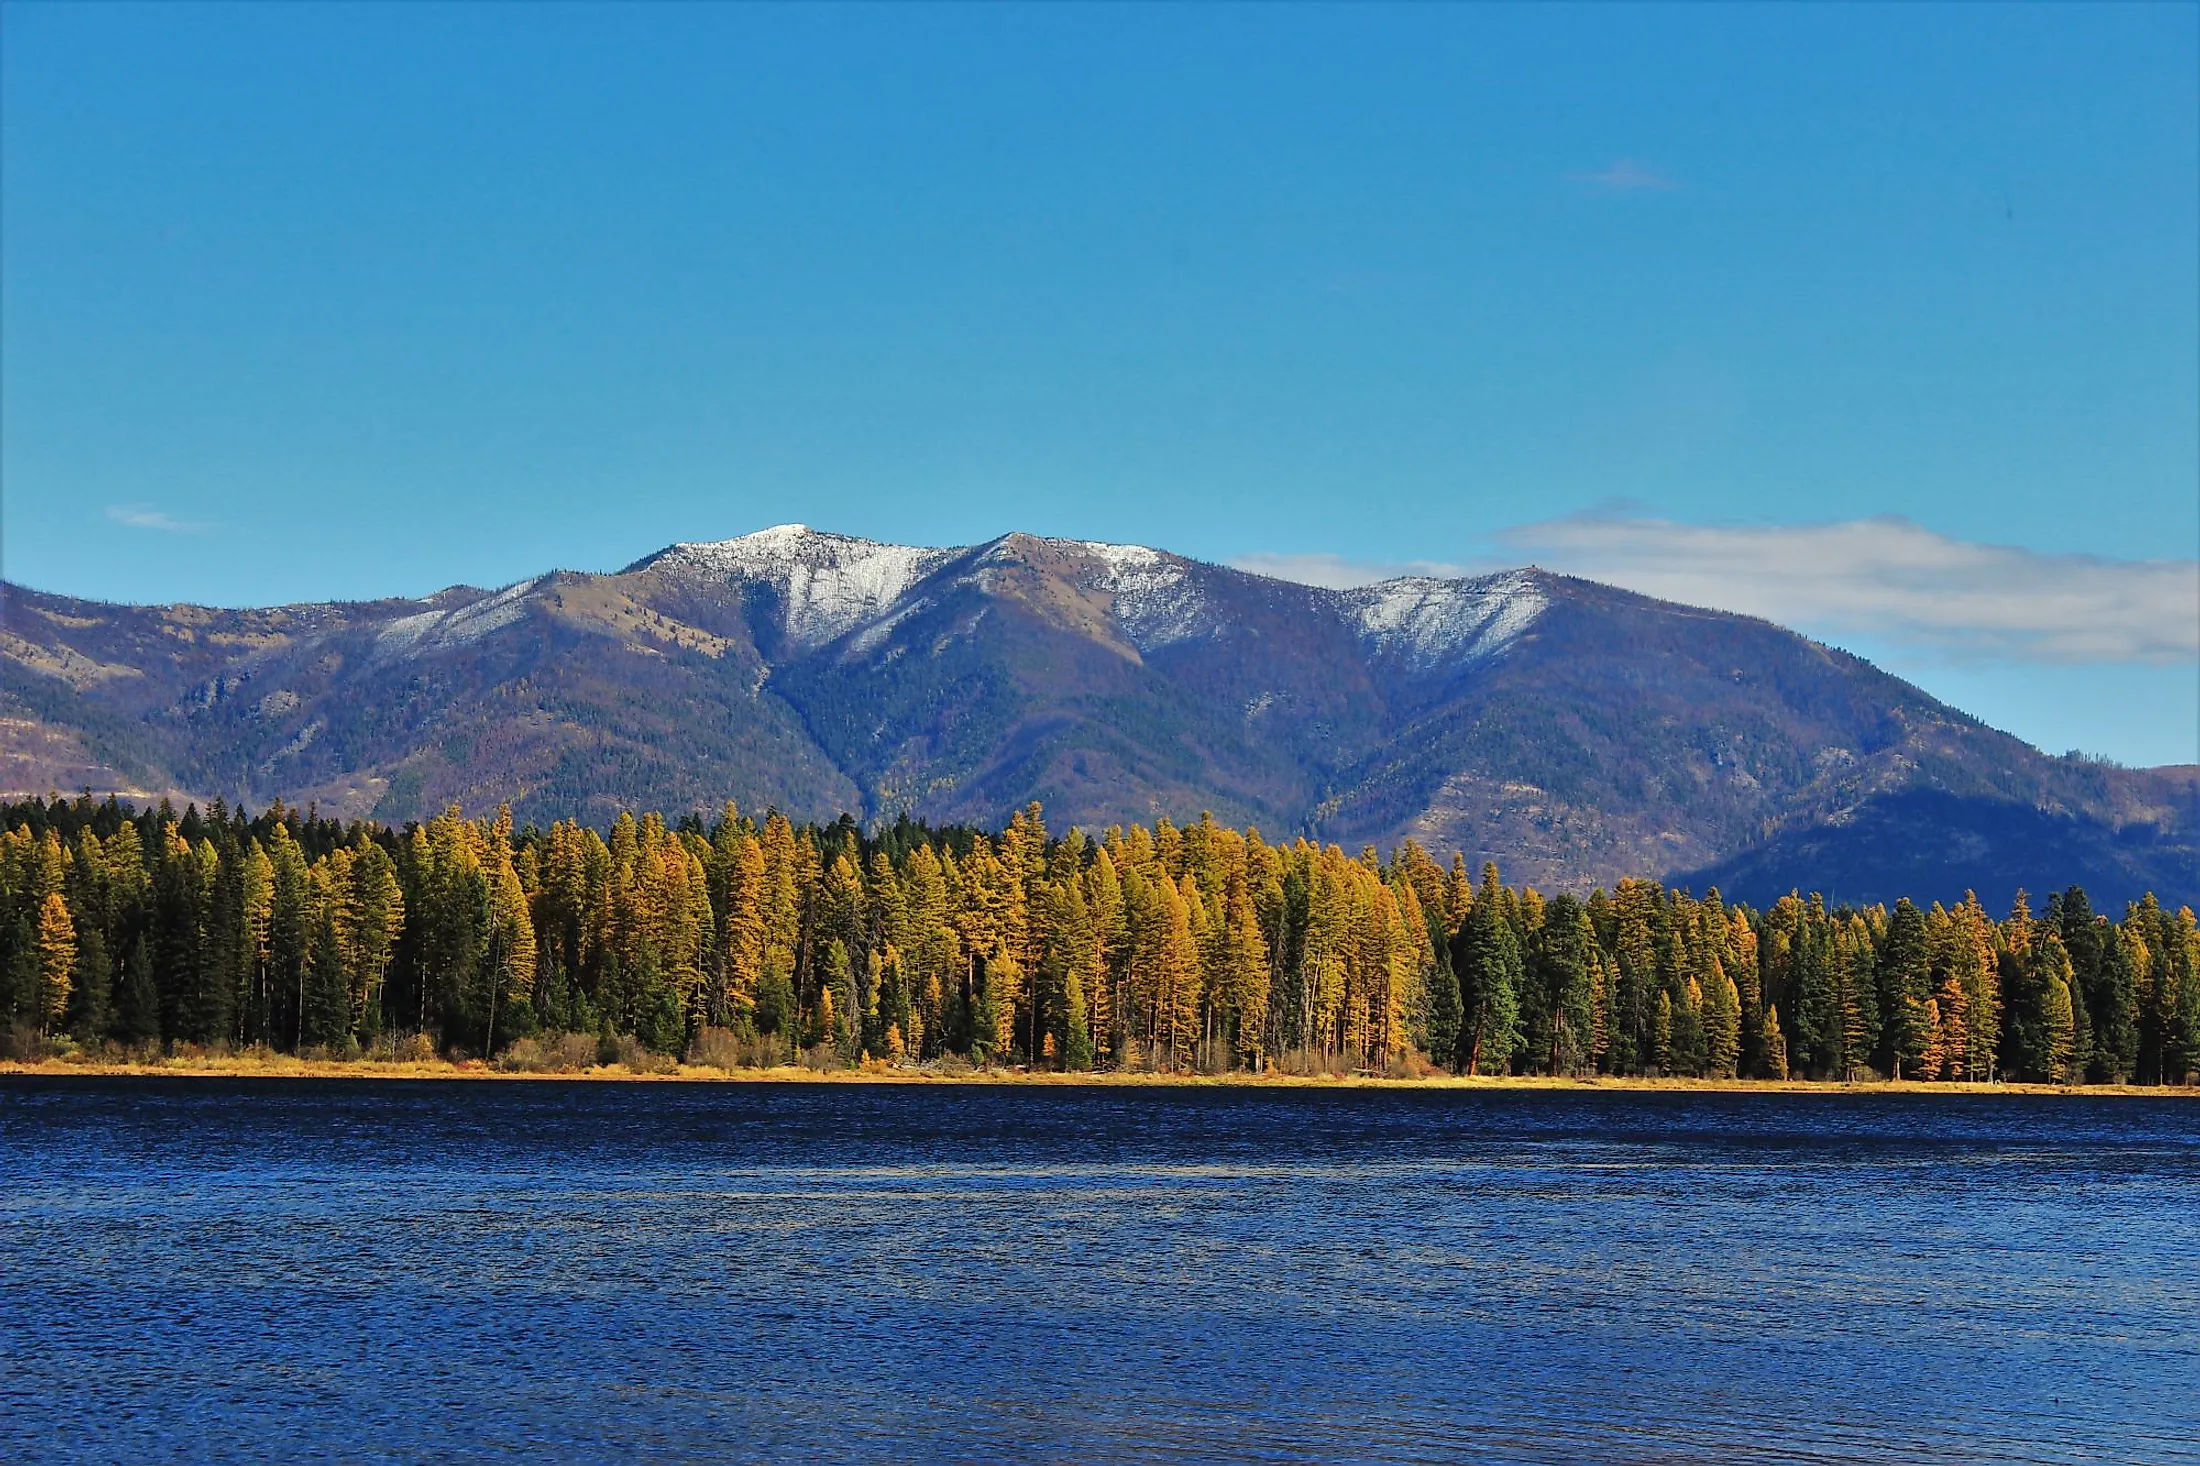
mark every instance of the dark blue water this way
{"type": "Point", "coordinates": [543, 1271]}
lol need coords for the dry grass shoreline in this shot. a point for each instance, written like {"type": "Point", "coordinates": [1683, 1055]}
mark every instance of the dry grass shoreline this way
{"type": "Point", "coordinates": [285, 1066]}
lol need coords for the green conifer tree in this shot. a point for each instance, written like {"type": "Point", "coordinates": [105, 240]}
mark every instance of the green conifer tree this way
{"type": "Point", "coordinates": [2057, 1025]}
{"type": "Point", "coordinates": [1487, 960]}
{"type": "Point", "coordinates": [137, 998]}
{"type": "Point", "coordinates": [1686, 1049]}
{"type": "Point", "coordinates": [91, 998]}
{"type": "Point", "coordinates": [1076, 1024]}
{"type": "Point", "coordinates": [1722, 1023]}
{"type": "Point", "coordinates": [1775, 1061]}
{"type": "Point", "coordinates": [1905, 987]}
{"type": "Point", "coordinates": [843, 1026]}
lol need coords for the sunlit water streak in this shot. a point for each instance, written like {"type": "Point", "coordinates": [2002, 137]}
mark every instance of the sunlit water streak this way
{"type": "Point", "coordinates": [246, 1270]}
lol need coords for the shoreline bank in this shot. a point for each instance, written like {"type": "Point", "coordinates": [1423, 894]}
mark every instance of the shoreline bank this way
{"type": "Point", "coordinates": [283, 1067]}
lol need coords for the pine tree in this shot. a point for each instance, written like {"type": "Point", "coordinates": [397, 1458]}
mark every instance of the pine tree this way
{"type": "Point", "coordinates": [1811, 987]}
{"type": "Point", "coordinates": [324, 1008]}
{"type": "Point", "coordinates": [1947, 1054]}
{"type": "Point", "coordinates": [837, 1009]}
{"type": "Point", "coordinates": [1487, 959]}
{"type": "Point", "coordinates": [1948, 1044]}
{"type": "Point", "coordinates": [1774, 1064]}
{"type": "Point", "coordinates": [2053, 923]}
{"type": "Point", "coordinates": [290, 934]}
{"type": "Point", "coordinates": [2179, 940]}
{"type": "Point", "coordinates": [377, 915]}
{"type": "Point", "coordinates": [1975, 964]}
{"type": "Point", "coordinates": [1319, 982]}
{"type": "Point", "coordinates": [137, 998]}
{"type": "Point", "coordinates": [508, 968]}
{"type": "Point", "coordinates": [1739, 960]}
{"type": "Point", "coordinates": [1444, 1009]}
{"type": "Point", "coordinates": [659, 1021]}
{"type": "Point", "coordinates": [2188, 1006]}
{"type": "Point", "coordinates": [1175, 977]}
{"type": "Point", "coordinates": [91, 1004]}
{"type": "Point", "coordinates": [1634, 953]}
{"type": "Point", "coordinates": [1111, 953]}
{"type": "Point", "coordinates": [1722, 1023]}
{"type": "Point", "coordinates": [2116, 1040]}
{"type": "Point", "coordinates": [1905, 972]}
{"type": "Point", "coordinates": [2024, 1041]}
{"type": "Point", "coordinates": [255, 911]}
{"type": "Point", "coordinates": [1853, 965]}
{"type": "Point", "coordinates": [1687, 1050]}
{"type": "Point", "coordinates": [1077, 1054]}
{"type": "Point", "coordinates": [1561, 965]}
{"type": "Point", "coordinates": [2057, 1025]}
{"type": "Point", "coordinates": [56, 961]}
{"type": "Point", "coordinates": [743, 937]}
{"type": "Point", "coordinates": [1246, 977]}
{"type": "Point", "coordinates": [775, 1005]}
{"type": "Point", "coordinates": [995, 1022]}
{"type": "Point", "coordinates": [2101, 1005]}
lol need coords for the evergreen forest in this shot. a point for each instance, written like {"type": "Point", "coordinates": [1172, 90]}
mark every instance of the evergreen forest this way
{"type": "Point", "coordinates": [1191, 949]}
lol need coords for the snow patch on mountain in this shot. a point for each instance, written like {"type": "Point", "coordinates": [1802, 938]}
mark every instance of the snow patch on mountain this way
{"type": "Point", "coordinates": [832, 585]}
{"type": "Point", "coordinates": [426, 631]}
{"type": "Point", "coordinates": [1156, 599]}
{"type": "Point", "coordinates": [828, 584]}
{"type": "Point", "coordinates": [1432, 622]}
{"type": "Point", "coordinates": [873, 636]}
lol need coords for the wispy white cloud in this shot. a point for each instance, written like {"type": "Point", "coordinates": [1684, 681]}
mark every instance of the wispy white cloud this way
{"type": "Point", "coordinates": [145, 516]}
{"type": "Point", "coordinates": [1884, 578]}
{"type": "Point", "coordinates": [1335, 572]}
{"type": "Point", "coordinates": [1891, 578]}
{"type": "Point", "coordinates": [1626, 176]}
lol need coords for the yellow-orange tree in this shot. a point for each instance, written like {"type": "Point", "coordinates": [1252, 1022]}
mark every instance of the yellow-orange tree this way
{"type": "Point", "coordinates": [1165, 947]}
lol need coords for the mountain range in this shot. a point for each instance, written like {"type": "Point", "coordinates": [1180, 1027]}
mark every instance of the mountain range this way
{"type": "Point", "coordinates": [1574, 732]}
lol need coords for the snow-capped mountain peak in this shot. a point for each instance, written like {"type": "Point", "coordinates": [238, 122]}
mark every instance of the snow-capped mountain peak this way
{"type": "Point", "coordinates": [828, 584]}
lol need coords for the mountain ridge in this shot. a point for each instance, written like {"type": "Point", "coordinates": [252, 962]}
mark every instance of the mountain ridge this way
{"type": "Point", "coordinates": [1573, 731]}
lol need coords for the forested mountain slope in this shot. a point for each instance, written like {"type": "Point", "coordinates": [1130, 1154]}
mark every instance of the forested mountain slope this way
{"type": "Point", "coordinates": [1574, 732]}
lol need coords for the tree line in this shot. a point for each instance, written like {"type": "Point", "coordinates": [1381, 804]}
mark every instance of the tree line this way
{"type": "Point", "coordinates": [1171, 948]}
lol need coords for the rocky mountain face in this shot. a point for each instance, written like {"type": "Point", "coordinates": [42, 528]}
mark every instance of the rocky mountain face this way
{"type": "Point", "coordinates": [1574, 732]}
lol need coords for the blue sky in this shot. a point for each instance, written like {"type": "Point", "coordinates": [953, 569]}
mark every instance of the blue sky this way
{"type": "Point", "coordinates": [313, 301]}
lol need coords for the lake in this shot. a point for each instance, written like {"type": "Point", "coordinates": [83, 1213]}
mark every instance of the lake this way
{"type": "Point", "coordinates": [273, 1269]}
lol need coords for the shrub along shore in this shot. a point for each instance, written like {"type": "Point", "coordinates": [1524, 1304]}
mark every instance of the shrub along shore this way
{"type": "Point", "coordinates": [144, 941]}
{"type": "Point", "coordinates": [277, 1066]}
